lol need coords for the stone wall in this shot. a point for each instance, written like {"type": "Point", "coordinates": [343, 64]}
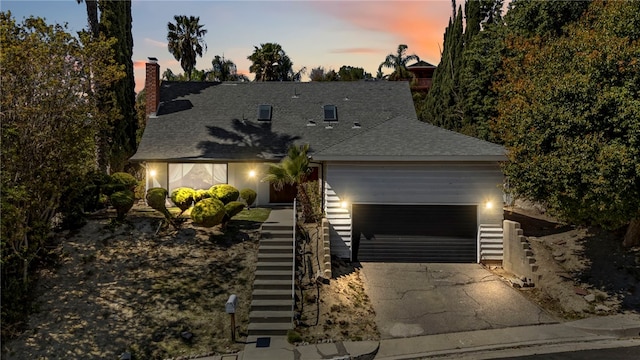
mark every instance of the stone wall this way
{"type": "Point", "coordinates": [518, 258]}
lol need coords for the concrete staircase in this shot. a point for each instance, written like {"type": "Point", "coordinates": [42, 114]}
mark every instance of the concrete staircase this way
{"type": "Point", "coordinates": [272, 302]}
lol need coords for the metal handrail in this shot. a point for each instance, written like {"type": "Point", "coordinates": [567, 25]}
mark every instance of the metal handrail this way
{"type": "Point", "coordinates": [293, 272]}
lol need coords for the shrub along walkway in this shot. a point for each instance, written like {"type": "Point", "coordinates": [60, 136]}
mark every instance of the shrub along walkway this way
{"type": "Point", "coordinates": [272, 301]}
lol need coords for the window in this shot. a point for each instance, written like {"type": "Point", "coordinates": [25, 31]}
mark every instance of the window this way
{"type": "Point", "coordinates": [196, 176]}
{"type": "Point", "coordinates": [264, 112]}
{"type": "Point", "coordinates": [330, 113]}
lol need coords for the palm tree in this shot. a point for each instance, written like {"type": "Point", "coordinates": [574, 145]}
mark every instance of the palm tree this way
{"type": "Point", "coordinates": [185, 41]}
{"type": "Point", "coordinates": [398, 62]}
{"type": "Point", "coordinates": [293, 170]}
{"type": "Point", "coordinates": [222, 69]}
{"type": "Point", "coordinates": [271, 63]}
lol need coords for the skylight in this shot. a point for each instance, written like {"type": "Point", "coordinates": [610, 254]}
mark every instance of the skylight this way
{"type": "Point", "coordinates": [264, 112]}
{"type": "Point", "coordinates": [330, 113]}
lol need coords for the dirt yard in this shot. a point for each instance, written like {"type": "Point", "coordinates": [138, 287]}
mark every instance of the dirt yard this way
{"type": "Point", "coordinates": [118, 289]}
{"type": "Point", "coordinates": [585, 271]}
{"type": "Point", "coordinates": [126, 289]}
{"type": "Point", "coordinates": [334, 311]}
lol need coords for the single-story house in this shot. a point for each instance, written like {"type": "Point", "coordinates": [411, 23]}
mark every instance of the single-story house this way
{"type": "Point", "coordinates": [394, 188]}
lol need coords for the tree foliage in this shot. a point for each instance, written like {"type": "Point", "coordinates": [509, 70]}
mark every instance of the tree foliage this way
{"type": "Point", "coordinates": [49, 122]}
{"type": "Point", "coordinates": [569, 113]}
{"type": "Point", "coordinates": [185, 41]}
{"type": "Point", "coordinates": [443, 104]}
{"type": "Point", "coordinates": [398, 63]}
{"type": "Point", "coordinates": [116, 22]}
{"type": "Point", "coordinates": [271, 63]}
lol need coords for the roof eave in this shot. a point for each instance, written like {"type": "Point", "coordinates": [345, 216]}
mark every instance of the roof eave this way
{"type": "Point", "coordinates": [417, 158]}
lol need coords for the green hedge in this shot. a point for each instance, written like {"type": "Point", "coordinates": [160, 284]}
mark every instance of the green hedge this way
{"type": "Point", "coordinates": [233, 208]}
{"type": "Point", "coordinates": [249, 196]}
{"type": "Point", "coordinates": [183, 197]}
{"type": "Point", "coordinates": [122, 201]}
{"type": "Point", "coordinates": [208, 212]}
{"type": "Point", "coordinates": [224, 192]}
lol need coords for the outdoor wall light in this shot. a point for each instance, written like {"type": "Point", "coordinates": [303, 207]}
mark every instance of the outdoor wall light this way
{"type": "Point", "coordinates": [152, 173]}
{"type": "Point", "coordinates": [252, 173]}
{"type": "Point", "coordinates": [488, 204]}
{"type": "Point", "coordinates": [344, 204]}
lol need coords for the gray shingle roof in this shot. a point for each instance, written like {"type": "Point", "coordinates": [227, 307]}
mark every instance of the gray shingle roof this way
{"type": "Point", "coordinates": [199, 121]}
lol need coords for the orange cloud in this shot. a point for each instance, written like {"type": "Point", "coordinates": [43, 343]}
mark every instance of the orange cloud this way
{"type": "Point", "coordinates": [419, 24]}
{"type": "Point", "coordinates": [355, 51]}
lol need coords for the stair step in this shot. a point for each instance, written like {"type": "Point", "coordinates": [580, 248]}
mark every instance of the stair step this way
{"type": "Point", "coordinates": [491, 246]}
{"type": "Point", "coordinates": [275, 249]}
{"type": "Point", "coordinates": [491, 252]}
{"type": "Point", "coordinates": [270, 227]}
{"type": "Point", "coordinates": [270, 316]}
{"type": "Point", "coordinates": [269, 329]}
{"type": "Point", "coordinates": [273, 274]}
{"type": "Point", "coordinates": [276, 257]}
{"type": "Point", "coordinates": [271, 305]}
{"type": "Point", "coordinates": [273, 284]}
{"type": "Point", "coordinates": [275, 265]}
{"type": "Point", "coordinates": [271, 294]}
{"type": "Point", "coordinates": [276, 242]}
{"type": "Point", "coordinates": [277, 234]}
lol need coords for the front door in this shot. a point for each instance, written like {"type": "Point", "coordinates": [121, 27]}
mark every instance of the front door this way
{"type": "Point", "coordinates": [289, 192]}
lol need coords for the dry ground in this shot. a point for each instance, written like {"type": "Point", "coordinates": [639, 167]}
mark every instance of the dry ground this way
{"type": "Point", "coordinates": [123, 288]}
{"type": "Point", "coordinates": [585, 271]}
{"type": "Point", "coordinates": [335, 311]}
{"type": "Point", "coordinates": [158, 296]}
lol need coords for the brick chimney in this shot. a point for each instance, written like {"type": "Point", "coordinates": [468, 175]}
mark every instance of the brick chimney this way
{"type": "Point", "coordinates": [152, 86]}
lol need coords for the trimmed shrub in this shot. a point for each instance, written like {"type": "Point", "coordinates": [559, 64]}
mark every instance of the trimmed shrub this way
{"type": "Point", "coordinates": [122, 201]}
{"type": "Point", "coordinates": [201, 194]}
{"type": "Point", "coordinates": [125, 179]}
{"type": "Point", "coordinates": [183, 197]}
{"type": "Point", "coordinates": [224, 192]}
{"type": "Point", "coordinates": [249, 196]}
{"type": "Point", "coordinates": [208, 212]}
{"type": "Point", "coordinates": [156, 198]}
{"type": "Point", "coordinates": [233, 208]}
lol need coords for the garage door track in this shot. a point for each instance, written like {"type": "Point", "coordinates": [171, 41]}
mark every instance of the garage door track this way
{"type": "Point", "coordinates": [424, 299]}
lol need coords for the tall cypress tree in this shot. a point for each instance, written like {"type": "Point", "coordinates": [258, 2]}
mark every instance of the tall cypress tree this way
{"type": "Point", "coordinates": [115, 21]}
{"type": "Point", "coordinates": [441, 102]}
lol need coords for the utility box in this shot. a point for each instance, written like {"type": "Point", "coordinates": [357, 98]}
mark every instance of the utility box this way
{"type": "Point", "coordinates": [230, 307]}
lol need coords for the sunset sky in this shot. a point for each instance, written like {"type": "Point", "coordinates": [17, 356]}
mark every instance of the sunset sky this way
{"type": "Point", "coordinates": [313, 33]}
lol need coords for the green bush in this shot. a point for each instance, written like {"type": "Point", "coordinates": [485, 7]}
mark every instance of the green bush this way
{"type": "Point", "coordinates": [122, 201]}
{"type": "Point", "coordinates": [208, 212]}
{"type": "Point", "coordinates": [183, 197]}
{"type": "Point", "coordinates": [233, 208]}
{"type": "Point", "coordinates": [201, 194]}
{"type": "Point", "coordinates": [139, 190]}
{"type": "Point", "coordinates": [125, 179]}
{"type": "Point", "coordinates": [224, 192]}
{"type": "Point", "coordinates": [249, 196]}
{"type": "Point", "coordinates": [156, 198]}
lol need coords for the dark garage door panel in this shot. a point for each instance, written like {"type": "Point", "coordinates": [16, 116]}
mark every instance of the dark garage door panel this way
{"type": "Point", "coordinates": [415, 233]}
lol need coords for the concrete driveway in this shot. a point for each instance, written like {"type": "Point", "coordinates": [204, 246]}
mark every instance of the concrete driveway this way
{"type": "Point", "coordinates": [424, 299]}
